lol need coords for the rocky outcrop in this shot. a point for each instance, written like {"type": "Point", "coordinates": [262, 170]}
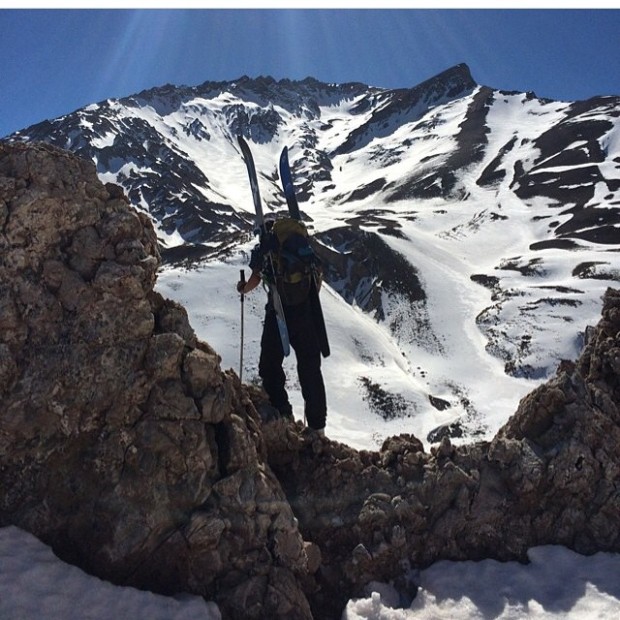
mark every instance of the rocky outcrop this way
{"type": "Point", "coordinates": [125, 447]}
{"type": "Point", "coordinates": [122, 443]}
{"type": "Point", "coordinates": [550, 476]}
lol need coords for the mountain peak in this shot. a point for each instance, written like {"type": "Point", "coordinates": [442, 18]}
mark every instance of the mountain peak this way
{"type": "Point", "coordinates": [452, 81]}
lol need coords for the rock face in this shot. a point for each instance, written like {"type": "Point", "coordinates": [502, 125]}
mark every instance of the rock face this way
{"type": "Point", "coordinates": [122, 443]}
{"type": "Point", "coordinates": [550, 476]}
{"type": "Point", "coordinates": [126, 448]}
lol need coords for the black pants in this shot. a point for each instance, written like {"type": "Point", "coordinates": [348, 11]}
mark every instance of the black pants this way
{"type": "Point", "coordinates": [303, 340]}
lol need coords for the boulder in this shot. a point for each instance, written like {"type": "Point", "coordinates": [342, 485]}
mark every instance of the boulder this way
{"type": "Point", "coordinates": [123, 445]}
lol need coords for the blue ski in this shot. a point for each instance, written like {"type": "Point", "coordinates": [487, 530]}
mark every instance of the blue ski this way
{"type": "Point", "coordinates": [293, 209]}
{"type": "Point", "coordinates": [287, 185]}
{"type": "Point", "coordinates": [260, 225]}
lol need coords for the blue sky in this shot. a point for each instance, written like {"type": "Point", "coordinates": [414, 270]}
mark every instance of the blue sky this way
{"type": "Point", "coordinates": [55, 61]}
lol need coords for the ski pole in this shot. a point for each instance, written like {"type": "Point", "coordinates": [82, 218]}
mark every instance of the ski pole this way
{"type": "Point", "coordinates": [242, 274]}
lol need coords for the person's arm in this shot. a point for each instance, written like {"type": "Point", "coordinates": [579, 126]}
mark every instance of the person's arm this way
{"type": "Point", "coordinates": [250, 285]}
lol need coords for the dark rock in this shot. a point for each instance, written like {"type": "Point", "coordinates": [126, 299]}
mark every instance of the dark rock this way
{"type": "Point", "coordinates": [123, 445]}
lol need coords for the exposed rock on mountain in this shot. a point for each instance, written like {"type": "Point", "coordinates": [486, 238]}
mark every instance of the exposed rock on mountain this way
{"type": "Point", "coordinates": [407, 104]}
{"type": "Point", "coordinates": [126, 448]}
{"type": "Point", "coordinates": [360, 265]}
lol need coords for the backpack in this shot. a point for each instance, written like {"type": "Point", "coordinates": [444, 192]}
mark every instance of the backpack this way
{"type": "Point", "coordinates": [294, 262]}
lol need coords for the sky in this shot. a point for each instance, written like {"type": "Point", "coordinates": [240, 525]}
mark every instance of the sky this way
{"type": "Point", "coordinates": [57, 60]}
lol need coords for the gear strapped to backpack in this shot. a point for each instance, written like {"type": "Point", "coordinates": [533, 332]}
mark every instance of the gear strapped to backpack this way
{"type": "Point", "coordinates": [295, 264]}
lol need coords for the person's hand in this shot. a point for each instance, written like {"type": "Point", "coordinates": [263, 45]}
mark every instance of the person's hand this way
{"type": "Point", "coordinates": [240, 286]}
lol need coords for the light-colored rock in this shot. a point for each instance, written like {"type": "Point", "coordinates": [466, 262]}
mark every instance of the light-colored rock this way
{"type": "Point", "coordinates": [123, 445]}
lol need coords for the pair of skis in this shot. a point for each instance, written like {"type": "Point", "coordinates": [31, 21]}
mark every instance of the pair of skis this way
{"type": "Point", "coordinates": [293, 207]}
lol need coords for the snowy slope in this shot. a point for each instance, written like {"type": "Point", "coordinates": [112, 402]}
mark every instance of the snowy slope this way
{"type": "Point", "coordinates": [457, 346]}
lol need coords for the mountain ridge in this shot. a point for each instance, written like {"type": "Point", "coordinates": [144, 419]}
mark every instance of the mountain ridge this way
{"type": "Point", "coordinates": [495, 210]}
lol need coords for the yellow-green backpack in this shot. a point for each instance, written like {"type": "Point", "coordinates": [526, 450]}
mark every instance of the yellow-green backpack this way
{"type": "Point", "coordinates": [294, 261]}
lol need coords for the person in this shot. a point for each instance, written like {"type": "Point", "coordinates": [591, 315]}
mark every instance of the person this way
{"type": "Point", "coordinates": [303, 340]}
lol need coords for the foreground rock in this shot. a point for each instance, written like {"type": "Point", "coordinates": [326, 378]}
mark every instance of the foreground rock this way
{"type": "Point", "coordinates": [550, 476]}
{"type": "Point", "coordinates": [122, 443]}
{"type": "Point", "coordinates": [125, 447]}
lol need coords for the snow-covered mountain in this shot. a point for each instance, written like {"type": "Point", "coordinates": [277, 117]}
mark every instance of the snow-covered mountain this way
{"type": "Point", "coordinates": [468, 232]}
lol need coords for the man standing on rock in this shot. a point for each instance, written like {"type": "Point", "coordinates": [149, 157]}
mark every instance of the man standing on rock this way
{"type": "Point", "coordinates": [302, 335]}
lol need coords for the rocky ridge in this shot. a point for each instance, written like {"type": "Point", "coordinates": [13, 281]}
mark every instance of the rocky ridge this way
{"type": "Point", "coordinates": [125, 447]}
{"type": "Point", "coordinates": [122, 443]}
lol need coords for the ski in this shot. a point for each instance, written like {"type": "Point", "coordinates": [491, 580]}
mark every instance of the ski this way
{"type": "Point", "coordinates": [293, 209]}
{"type": "Point", "coordinates": [287, 185]}
{"type": "Point", "coordinates": [260, 225]}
